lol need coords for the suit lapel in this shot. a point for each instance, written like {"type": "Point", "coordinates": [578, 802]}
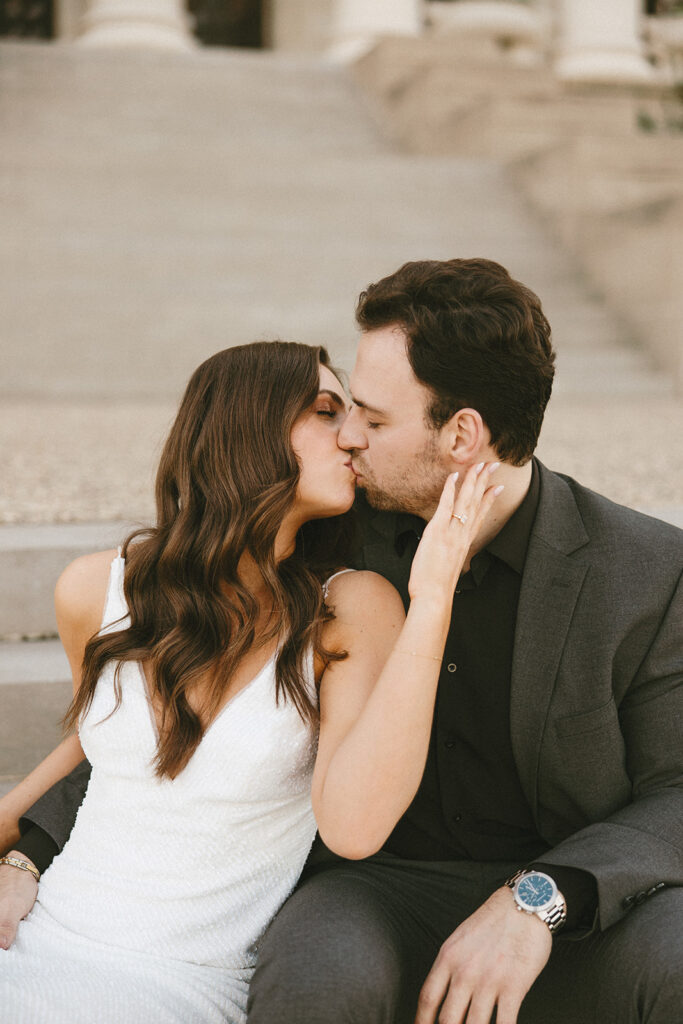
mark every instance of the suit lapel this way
{"type": "Point", "coordinates": [550, 588]}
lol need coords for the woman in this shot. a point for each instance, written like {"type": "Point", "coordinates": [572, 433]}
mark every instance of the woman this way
{"type": "Point", "coordinates": [205, 657]}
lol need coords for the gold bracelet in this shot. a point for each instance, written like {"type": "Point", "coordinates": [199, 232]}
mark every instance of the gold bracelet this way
{"type": "Point", "coordinates": [23, 865]}
{"type": "Point", "coordinates": [418, 654]}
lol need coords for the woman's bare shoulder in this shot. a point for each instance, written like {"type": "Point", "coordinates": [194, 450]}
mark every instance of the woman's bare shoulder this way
{"type": "Point", "coordinates": [81, 590]}
{"type": "Point", "coordinates": [364, 595]}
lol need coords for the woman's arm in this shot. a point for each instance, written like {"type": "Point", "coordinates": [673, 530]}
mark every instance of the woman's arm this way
{"type": "Point", "coordinates": [377, 705]}
{"type": "Point", "coordinates": [18, 888]}
{"type": "Point", "coordinates": [14, 804]}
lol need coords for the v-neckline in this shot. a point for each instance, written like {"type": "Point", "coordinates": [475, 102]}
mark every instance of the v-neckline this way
{"type": "Point", "coordinates": [219, 714]}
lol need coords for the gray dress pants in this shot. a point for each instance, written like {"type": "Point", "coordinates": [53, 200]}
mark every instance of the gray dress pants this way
{"type": "Point", "coordinates": [355, 941]}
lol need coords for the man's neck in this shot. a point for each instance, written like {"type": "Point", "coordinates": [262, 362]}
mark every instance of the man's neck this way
{"type": "Point", "coordinates": [516, 480]}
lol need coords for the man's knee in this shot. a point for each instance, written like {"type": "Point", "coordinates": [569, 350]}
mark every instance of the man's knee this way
{"type": "Point", "coordinates": [630, 974]}
{"type": "Point", "coordinates": [656, 974]}
{"type": "Point", "coordinates": [330, 956]}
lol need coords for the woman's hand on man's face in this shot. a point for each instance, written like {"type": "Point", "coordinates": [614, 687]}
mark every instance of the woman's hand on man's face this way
{"type": "Point", "coordinates": [448, 536]}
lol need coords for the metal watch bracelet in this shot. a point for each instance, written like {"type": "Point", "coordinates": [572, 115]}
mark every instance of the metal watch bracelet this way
{"type": "Point", "coordinates": [554, 916]}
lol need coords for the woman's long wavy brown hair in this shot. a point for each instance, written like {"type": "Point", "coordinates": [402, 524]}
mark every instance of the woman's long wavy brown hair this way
{"type": "Point", "coordinates": [227, 476]}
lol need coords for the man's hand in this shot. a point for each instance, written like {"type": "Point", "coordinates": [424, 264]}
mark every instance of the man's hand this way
{"type": "Point", "coordinates": [18, 891]}
{"type": "Point", "coordinates": [490, 961]}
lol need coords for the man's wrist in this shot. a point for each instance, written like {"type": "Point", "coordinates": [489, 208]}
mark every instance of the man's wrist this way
{"type": "Point", "coordinates": [536, 893]}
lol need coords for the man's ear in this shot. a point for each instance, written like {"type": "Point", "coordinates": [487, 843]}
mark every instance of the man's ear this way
{"type": "Point", "coordinates": [466, 435]}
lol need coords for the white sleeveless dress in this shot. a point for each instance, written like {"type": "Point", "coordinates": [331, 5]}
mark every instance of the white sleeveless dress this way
{"type": "Point", "coordinates": [153, 911]}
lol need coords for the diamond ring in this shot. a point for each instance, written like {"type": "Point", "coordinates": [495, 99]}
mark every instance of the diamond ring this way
{"type": "Point", "coordinates": [460, 516]}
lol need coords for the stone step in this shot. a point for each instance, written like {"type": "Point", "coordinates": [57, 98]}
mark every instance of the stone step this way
{"type": "Point", "coordinates": [180, 203]}
{"type": "Point", "coordinates": [35, 692]}
{"type": "Point", "coordinates": [63, 97]}
{"type": "Point", "coordinates": [31, 560]}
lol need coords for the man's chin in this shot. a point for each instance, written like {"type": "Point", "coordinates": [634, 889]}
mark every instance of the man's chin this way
{"type": "Point", "coordinates": [376, 498]}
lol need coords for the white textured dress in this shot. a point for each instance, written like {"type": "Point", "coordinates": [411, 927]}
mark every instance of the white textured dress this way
{"type": "Point", "coordinates": [153, 911]}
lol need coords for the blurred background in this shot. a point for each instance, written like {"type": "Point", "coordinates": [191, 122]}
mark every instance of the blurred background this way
{"type": "Point", "coordinates": [177, 179]}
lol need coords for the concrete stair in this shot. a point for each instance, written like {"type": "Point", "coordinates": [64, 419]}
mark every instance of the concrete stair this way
{"type": "Point", "coordinates": [159, 207]}
{"type": "Point", "coordinates": [601, 164]}
{"type": "Point", "coordinates": [35, 691]}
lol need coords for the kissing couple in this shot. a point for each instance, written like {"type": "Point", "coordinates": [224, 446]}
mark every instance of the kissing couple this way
{"type": "Point", "coordinates": [396, 758]}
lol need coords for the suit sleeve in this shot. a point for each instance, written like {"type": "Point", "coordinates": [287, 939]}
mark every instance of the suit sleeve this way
{"type": "Point", "coordinates": [56, 810]}
{"type": "Point", "coordinates": [639, 849]}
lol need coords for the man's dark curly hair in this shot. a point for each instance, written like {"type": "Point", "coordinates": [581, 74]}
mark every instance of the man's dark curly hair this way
{"type": "Point", "coordinates": [477, 339]}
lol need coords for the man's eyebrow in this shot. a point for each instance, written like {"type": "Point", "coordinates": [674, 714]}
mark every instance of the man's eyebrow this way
{"type": "Point", "coordinates": [368, 408]}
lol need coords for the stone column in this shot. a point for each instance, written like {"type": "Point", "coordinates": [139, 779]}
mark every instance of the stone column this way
{"type": "Point", "coordinates": [144, 24]}
{"type": "Point", "coordinates": [358, 24]}
{"type": "Point", "coordinates": [600, 41]}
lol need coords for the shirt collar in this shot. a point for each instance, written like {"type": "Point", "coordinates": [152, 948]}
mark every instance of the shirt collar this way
{"type": "Point", "coordinates": [511, 543]}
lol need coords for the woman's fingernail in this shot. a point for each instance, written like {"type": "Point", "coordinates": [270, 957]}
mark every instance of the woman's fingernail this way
{"type": "Point", "coordinates": [499, 488]}
{"type": "Point", "coordinates": [493, 467]}
{"type": "Point", "coordinates": [480, 467]}
{"type": "Point", "coordinates": [455, 476]}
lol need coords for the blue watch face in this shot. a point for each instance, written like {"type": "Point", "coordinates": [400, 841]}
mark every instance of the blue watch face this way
{"type": "Point", "coordinates": [535, 890]}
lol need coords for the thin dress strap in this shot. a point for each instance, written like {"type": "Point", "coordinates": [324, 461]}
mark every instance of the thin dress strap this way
{"type": "Point", "coordinates": [115, 607]}
{"type": "Point", "coordinates": [326, 584]}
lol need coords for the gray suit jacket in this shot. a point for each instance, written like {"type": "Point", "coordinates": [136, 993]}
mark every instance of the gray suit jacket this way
{"type": "Point", "coordinates": [596, 709]}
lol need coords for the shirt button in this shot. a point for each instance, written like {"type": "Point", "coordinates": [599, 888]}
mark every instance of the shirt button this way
{"type": "Point", "coordinates": [457, 817]}
{"type": "Point", "coordinates": [449, 744]}
{"type": "Point", "coordinates": [452, 666]}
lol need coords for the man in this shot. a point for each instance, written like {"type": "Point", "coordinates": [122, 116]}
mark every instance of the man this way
{"type": "Point", "coordinates": [556, 747]}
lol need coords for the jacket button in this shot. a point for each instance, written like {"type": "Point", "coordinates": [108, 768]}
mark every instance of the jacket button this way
{"type": "Point", "coordinates": [452, 667]}
{"type": "Point", "coordinates": [449, 744]}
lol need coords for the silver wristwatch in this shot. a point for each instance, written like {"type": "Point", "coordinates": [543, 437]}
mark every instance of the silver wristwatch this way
{"type": "Point", "coordinates": [535, 892]}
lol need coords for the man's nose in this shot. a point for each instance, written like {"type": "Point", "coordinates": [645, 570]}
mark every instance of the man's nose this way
{"type": "Point", "coordinates": [351, 434]}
